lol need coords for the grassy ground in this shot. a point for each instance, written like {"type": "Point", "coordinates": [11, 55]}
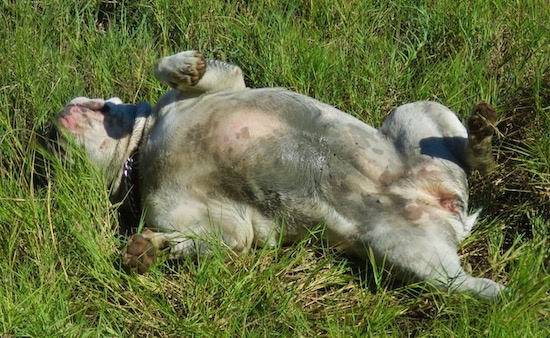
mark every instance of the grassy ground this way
{"type": "Point", "coordinates": [59, 249]}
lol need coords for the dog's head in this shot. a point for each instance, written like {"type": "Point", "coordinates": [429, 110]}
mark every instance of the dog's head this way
{"type": "Point", "coordinates": [107, 130]}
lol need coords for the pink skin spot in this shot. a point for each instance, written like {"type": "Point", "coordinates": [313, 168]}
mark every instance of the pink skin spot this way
{"type": "Point", "coordinates": [235, 130]}
{"type": "Point", "coordinates": [385, 177]}
{"type": "Point", "coordinates": [449, 203]}
{"type": "Point", "coordinates": [445, 198]}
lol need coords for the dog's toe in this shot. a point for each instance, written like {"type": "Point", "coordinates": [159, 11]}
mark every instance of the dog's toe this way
{"type": "Point", "coordinates": [199, 68]}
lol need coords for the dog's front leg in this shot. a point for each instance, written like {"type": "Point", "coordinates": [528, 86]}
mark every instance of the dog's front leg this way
{"type": "Point", "coordinates": [142, 250]}
{"type": "Point", "coordinates": [182, 70]}
{"type": "Point", "coordinates": [189, 71]}
{"type": "Point", "coordinates": [145, 248]}
{"type": "Point", "coordinates": [230, 231]}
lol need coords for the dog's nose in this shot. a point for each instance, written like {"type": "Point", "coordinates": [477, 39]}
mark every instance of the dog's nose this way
{"type": "Point", "coordinates": [65, 112]}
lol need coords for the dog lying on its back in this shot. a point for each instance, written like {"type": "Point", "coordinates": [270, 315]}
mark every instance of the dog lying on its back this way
{"type": "Point", "coordinates": [220, 164]}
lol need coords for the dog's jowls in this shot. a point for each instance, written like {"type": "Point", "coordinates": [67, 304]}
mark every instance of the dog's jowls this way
{"type": "Point", "coordinates": [220, 164]}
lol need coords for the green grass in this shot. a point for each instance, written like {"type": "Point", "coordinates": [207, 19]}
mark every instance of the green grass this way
{"type": "Point", "coordinates": [59, 249]}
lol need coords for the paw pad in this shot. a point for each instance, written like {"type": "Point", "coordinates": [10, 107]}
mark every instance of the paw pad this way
{"type": "Point", "coordinates": [140, 254]}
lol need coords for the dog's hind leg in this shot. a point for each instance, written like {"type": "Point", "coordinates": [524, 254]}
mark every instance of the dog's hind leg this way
{"type": "Point", "coordinates": [189, 71]}
{"type": "Point", "coordinates": [427, 128]}
{"type": "Point", "coordinates": [421, 255]}
{"type": "Point", "coordinates": [430, 128]}
{"type": "Point", "coordinates": [443, 270]}
{"type": "Point", "coordinates": [480, 125]}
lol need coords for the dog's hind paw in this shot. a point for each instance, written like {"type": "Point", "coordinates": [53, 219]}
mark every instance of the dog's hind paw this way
{"type": "Point", "coordinates": [482, 120]}
{"type": "Point", "coordinates": [141, 252]}
{"type": "Point", "coordinates": [181, 70]}
{"type": "Point", "coordinates": [481, 126]}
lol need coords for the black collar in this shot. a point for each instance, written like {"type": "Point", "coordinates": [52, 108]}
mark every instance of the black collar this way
{"type": "Point", "coordinates": [130, 212]}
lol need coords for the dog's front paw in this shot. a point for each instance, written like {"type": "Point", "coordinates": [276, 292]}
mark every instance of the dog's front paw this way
{"type": "Point", "coordinates": [141, 252]}
{"type": "Point", "coordinates": [181, 70]}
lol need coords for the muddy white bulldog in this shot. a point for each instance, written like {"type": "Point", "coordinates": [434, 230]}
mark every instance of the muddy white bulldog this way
{"type": "Point", "coordinates": [218, 164]}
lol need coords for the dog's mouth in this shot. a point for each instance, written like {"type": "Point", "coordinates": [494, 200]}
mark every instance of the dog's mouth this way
{"type": "Point", "coordinates": [55, 142]}
{"type": "Point", "coordinates": [51, 146]}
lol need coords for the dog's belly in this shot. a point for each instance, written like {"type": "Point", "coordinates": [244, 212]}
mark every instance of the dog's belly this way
{"type": "Point", "coordinates": [282, 155]}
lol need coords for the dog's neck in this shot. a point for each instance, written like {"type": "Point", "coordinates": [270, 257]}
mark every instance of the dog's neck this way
{"type": "Point", "coordinates": [126, 187]}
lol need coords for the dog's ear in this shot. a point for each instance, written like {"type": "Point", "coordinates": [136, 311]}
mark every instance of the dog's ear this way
{"type": "Point", "coordinates": [143, 109]}
{"type": "Point", "coordinates": [120, 119]}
